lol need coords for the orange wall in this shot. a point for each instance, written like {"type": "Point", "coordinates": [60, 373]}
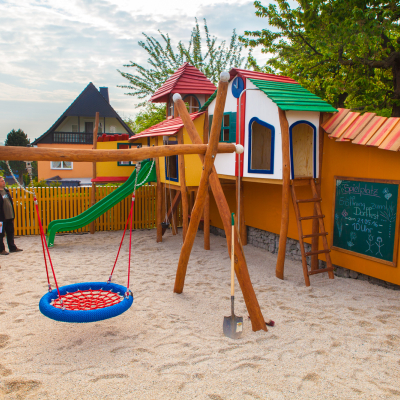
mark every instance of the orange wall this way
{"type": "Point", "coordinates": [262, 202]}
{"type": "Point", "coordinates": [80, 169]}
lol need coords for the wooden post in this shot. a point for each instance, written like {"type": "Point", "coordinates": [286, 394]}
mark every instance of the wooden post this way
{"type": "Point", "coordinates": [182, 179]}
{"type": "Point", "coordinates": [159, 199]}
{"type": "Point", "coordinates": [206, 212]}
{"type": "Point", "coordinates": [315, 223]}
{"type": "Point", "coordinates": [174, 219]}
{"type": "Point", "coordinates": [93, 193]}
{"type": "Point", "coordinates": [280, 263]}
{"type": "Point", "coordinates": [242, 273]}
{"type": "Point", "coordinates": [242, 228]}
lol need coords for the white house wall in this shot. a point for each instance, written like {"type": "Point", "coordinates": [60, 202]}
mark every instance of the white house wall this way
{"type": "Point", "coordinates": [225, 163]}
{"type": "Point", "coordinates": [313, 118]}
{"type": "Point", "coordinates": [259, 105]}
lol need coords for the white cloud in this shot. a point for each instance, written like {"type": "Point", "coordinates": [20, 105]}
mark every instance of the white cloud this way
{"type": "Point", "coordinates": [51, 49]}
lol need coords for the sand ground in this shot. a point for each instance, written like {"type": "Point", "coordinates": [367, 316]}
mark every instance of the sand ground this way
{"type": "Point", "coordinates": [338, 339]}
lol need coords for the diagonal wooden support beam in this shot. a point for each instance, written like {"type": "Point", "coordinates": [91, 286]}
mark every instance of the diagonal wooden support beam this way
{"type": "Point", "coordinates": [172, 209]}
{"type": "Point", "coordinates": [242, 273]}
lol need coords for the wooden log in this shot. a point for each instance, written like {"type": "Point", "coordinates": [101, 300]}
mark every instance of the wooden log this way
{"type": "Point", "coordinates": [204, 179]}
{"type": "Point", "coordinates": [93, 192]}
{"type": "Point", "coordinates": [242, 273]}
{"type": "Point", "coordinates": [182, 180]}
{"type": "Point", "coordinates": [159, 199]}
{"type": "Point", "coordinates": [19, 153]}
{"type": "Point", "coordinates": [280, 263]}
{"type": "Point", "coordinates": [242, 228]}
{"type": "Point", "coordinates": [172, 208]}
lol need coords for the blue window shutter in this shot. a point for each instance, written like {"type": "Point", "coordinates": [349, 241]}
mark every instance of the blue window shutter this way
{"type": "Point", "coordinates": [232, 128]}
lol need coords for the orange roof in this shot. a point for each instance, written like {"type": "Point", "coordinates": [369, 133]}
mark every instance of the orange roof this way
{"type": "Point", "coordinates": [167, 127]}
{"type": "Point", "coordinates": [186, 80]}
{"type": "Point", "coordinates": [367, 129]}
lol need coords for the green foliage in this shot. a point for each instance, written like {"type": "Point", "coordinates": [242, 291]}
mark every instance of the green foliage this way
{"type": "Point", "coordinates": [151, 115]}
{"type": "Point", "coordinates": [345, 51]}
{"type": "Point", "coordinates": [16, 138]}
{"type": "Point", "coordinates": [165, 61]}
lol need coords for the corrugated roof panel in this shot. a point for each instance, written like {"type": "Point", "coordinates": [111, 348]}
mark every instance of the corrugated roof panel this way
{"type": "Point", "coordinates": [260, 76]}
{"type": "Point", "coordinates": [167, 127]}
{"type": "Point", "coordinates": [365, 135]}
{"type": "Point", "coordinates": [383, 132]}
{"type": "Point", "coordinates": [330, 125]}
{"type": "Point", "coordinates": [392, 141]}
{"type": "Point", "coordinates": [356, 127]}
{"type": "Point", "coordinates": [344, 124]}
{"type": "Point", "coordinates": [288, 96]}
{"type": "Point", "coordinates": [186, 80]}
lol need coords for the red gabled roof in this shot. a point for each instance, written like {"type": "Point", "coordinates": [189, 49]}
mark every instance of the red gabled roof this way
{"type": "Point", "coordinates": [260, 76]}
{"type": "Point", "coordinates": [165, 128]}
{"type": "Point", "coordinates": [186, 80]}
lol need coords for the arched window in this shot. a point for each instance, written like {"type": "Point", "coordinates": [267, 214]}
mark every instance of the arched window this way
{"type": "Point", "coordinates": [261, 147]}
{"type": "Point", "coordinates": [302, 149]}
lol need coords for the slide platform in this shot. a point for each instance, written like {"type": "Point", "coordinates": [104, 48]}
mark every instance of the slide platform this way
{"type": "Point", "coordinates": [146, 174]}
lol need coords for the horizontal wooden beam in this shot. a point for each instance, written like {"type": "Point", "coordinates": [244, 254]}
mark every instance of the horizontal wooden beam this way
{"type": "Point", "coordinates": [17, 153]}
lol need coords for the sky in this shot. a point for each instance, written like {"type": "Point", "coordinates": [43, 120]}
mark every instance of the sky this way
{"type": "Point", "coordinates": [51, 49]}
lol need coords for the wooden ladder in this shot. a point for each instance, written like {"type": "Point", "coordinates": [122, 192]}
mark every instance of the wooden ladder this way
{"type": "Point", "coordinates": [320, 217]}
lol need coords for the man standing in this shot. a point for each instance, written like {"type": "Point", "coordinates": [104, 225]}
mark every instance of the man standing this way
{"type": "Point", "coordinates": [6, 219]}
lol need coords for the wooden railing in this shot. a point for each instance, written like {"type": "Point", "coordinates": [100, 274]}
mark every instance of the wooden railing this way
{"type": "Point", "coordinates": [61, 203]}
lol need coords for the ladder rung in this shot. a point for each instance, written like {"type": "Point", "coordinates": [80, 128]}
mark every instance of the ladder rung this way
{"type": "Point", "coordinates": [313, 217]}
{"type": "Point", "coordinates": [320, 271]}
{"type": "Point", "coordinates": [308, 200]}
{"type": "Point", "coordinates": [315, 235]}
{"type": "Point", "coordinates": [312, 253]}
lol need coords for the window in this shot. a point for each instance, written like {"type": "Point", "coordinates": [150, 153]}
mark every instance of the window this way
{"type": "Point", "coordinates": [261, 147]}
{"type": "Point", "coordinates": [61, 165]}
{"type": "Point", "coordinates": [100, 128]}
{"type": "Point", "coordinates": [74, 128]}
{"type": "Point", "coordinates": [228, 127]}
{"type": "Point", "coordinates": [127, 146]}
{"type": "Point", "coordinates": [192, 103]}
{"type": "Point", "coordinates": [112, 129]}
{"type": "Point", "coordinates": [171, 166]}
{"type": "Point", "coordinates": [88, 127]}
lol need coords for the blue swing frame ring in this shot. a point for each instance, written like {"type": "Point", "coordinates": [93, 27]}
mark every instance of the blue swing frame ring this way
{"type": "Point", "coordinates": [81, 316]}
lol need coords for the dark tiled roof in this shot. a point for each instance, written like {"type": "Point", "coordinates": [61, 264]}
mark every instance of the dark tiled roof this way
{"type": "Point", "coordinates": [87, 104]}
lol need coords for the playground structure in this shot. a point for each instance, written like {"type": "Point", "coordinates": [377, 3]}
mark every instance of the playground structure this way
{"type": "Point", "coordinates": [207, 153]}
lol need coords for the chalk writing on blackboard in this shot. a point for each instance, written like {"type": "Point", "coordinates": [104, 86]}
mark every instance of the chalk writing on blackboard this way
{"type": "Point", "coordinates": [365, 218]}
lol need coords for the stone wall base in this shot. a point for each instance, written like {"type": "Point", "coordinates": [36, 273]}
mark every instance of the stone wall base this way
{"type": "Point", "coordinates": [270, 242]}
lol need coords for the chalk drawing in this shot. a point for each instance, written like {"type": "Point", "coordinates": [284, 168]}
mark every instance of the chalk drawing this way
{"type": "Point", "coordinates": [353, 236]}
{"type": "Point", "coordinates": [369, 242]}
{"type": "Point", "coordinates": [379, 244]}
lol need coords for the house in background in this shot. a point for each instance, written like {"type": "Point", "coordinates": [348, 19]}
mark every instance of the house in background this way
{"type": "Point", "coordinates": [74, 129]}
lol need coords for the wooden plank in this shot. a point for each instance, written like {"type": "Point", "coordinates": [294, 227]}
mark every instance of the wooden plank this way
{"type": "Point", "coordinates": [383, 132]}
{"type": "Point", "coordinates": [280, 263]}
{"type": "Point", "coordinates": [356, 127]}
{"type": "Point", "coordinates": [330, 125]}
{"type": "Point", "coordinates": [182, 180]}
{"type": "Point", "coordinates": [392, 141]}
{"type": "Point", "coordinates": [344, 124]}
{"type": "Point", "coordinates": [366, 134]}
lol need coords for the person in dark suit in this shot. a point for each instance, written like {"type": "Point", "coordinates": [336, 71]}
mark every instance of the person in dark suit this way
{"type": "Point", "coordinates": [6, 219]}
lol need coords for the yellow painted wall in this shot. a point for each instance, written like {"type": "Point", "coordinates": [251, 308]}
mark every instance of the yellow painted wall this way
{"type": "Point", "coordinates": [262, 202]}
{"type": "Point", "coordinates": [79, 170]}
{"type": "Point", "coordinates": [193, 165]}
{"type": "Point", "coordinates": [112, 168]}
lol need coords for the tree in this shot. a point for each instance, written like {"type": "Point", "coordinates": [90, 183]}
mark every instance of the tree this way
{"type": "Point", "coordinates": [16, 138]}
{"type": "Point", "coordinates": [345, 51]}
{"type": "Point", "coordinates": [164, 61]}
{"type": "Point", "coordinates": [151, 115]}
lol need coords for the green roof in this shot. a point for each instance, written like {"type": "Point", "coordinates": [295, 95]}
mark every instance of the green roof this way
{"type": "Point", "coordinates": [289, 96]}
{"type": "Point", "coordinates": [207, 103]}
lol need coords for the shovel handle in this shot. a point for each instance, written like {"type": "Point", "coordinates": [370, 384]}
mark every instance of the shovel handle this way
{"type": "Point", "coordinates": [233, 257]}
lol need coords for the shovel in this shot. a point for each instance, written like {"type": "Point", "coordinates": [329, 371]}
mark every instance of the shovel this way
{"type": "Point", "coordinates": [233, 325]}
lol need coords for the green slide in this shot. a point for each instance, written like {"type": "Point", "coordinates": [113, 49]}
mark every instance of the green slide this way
{"type": "Point", "coordinates": [146, 174]}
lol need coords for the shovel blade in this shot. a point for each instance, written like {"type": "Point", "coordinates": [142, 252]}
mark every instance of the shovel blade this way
{"type": "Point", "coordinates": [233, 327]}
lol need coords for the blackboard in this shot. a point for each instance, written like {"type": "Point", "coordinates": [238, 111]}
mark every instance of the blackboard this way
{"type": "Point", "coordinates": [365, 220]}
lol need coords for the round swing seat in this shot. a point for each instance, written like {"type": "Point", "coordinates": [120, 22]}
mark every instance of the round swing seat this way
{"type": "Point", "coordinates": [86, 302]}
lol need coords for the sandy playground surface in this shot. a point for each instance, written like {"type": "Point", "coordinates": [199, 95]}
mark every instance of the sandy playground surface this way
{"type": "Point", "coordinates": [337, 339]}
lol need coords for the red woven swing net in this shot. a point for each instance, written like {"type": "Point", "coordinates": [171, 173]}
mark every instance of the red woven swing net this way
{"type": "Point", "coordinates": [85, 300]}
